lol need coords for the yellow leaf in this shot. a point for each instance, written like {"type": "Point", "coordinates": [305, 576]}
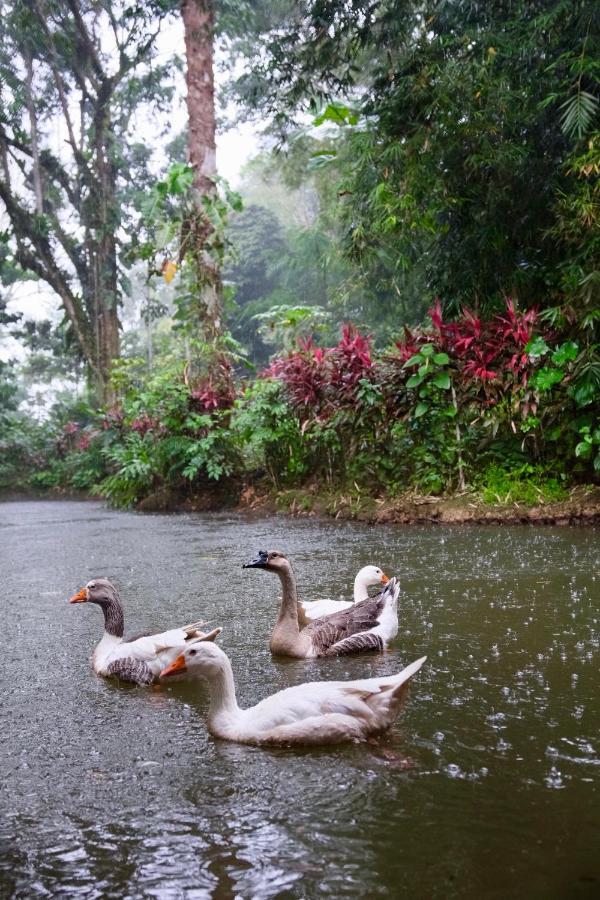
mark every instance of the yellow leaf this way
{"type": "Point", "coordinates": [168, 270]}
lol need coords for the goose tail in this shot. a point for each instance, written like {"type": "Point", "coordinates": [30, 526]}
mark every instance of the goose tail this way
{"type": "Point", "coordinates": [388, 700]}
{"type": "Point", "coordinates": [194, 629]}
{"type": "Point", "coordinates": [403, 677]}
{"type": "Point", "coordinates": [392, 590]}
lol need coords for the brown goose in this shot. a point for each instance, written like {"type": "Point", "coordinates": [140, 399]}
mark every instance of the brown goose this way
{"type": "Point", "coordinates": [140, 660]}
{"type": "Point", "coordinates": [367, 625]}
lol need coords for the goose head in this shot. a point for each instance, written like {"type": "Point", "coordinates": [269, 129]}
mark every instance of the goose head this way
{"type": "Point", "coordinates": [370, 575]}
{"type": "Point", "coordinates": [100, 591]}
{"type": "Point", "coordinates": [202, 658]}
{"type": "Point", "coordinates": [105, 595]}
{"type": "Point", "coordinates": [270, 560]}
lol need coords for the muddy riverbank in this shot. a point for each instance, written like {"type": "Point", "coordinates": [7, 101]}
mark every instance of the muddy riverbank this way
{"type": "Point", "coordinates": [581, 508]}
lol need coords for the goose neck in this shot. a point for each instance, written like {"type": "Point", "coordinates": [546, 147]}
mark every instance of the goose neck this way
{"type": "Point", "coordinates": [114, 623]}
{"type": "Point", "coordinates": [360, 588]}
{"type": "Point", "coordinates": [288, 612]}
{"type": "Point", "coordinates": [222, 692]}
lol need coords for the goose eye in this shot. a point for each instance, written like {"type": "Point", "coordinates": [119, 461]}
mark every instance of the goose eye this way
{"type": "Point", "coordinates": [193, 652]}
{"type": "Point", "coordinates": [92, 585]}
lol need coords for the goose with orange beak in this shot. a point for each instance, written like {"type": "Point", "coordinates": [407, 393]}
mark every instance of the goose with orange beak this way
{"type": "Point", "coordinates": [138, 661]}
{"type": "Point", "coordinates": [368, 576]}
{"type": "Point", "coordinates": [319, 712]}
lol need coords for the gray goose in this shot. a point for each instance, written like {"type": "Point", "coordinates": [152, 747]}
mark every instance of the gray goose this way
{"type": "Point", "coordinates": [367, 625]}
{"type": "Point", "coordinates": [141, 659]}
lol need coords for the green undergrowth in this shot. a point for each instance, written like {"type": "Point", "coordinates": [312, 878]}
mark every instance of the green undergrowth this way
{"type": "Point", "coordinates": [528, 484]}
{"type": "Point", "coordinates": [341, 430]}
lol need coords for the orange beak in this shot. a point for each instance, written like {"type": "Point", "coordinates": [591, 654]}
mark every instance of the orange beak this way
{"type": "Point", "coordinates": [384, 578]}
{"type": "Point", "coordinates": [176, 668]}
{"type": "Point", "coordinates": [80, 597]}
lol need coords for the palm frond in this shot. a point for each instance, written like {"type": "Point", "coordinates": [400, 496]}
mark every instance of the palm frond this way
{"type": "Point", "coordinates": [579, 113]}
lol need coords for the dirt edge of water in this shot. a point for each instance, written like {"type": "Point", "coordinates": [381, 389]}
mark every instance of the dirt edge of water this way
{"type": "Point", "coordinates": [581, 508]}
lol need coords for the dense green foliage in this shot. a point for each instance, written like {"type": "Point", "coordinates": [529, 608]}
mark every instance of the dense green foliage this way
{"type": "Point", "coordinates": [435, 183]}
{"type": "Point", "coordinates": [461, 142]}
{"type": "Point", "coordinates": [494, 406]}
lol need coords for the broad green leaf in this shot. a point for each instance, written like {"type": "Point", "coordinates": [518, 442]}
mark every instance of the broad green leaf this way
{"type": "Point", "coordinates": [180, 178]}
{"type": "Point", "coordinates": [318, 160]}
{"type": "Point", "coordinates": [420, 410]}
{"type": "Point", "coordinates": [537, 347]}
{"type": "Point", "coordinates": [417, 358]}
{"type": "Point", "coordinates": [336, 112]}
{"type": "Point", "coordinates": [414, 381]}
{"type": "Point", "coordinates": [567, 352]}
{"type": "Point", "coordinates": [546, 378]}
{"type": "Point", "coordinates": [441, 359]}
{"type": "Point", "coordinates": [584, 391]}
{"type": "Point", "coordinates": [165, 235]}
{"type": "Point", "coordinates": [442, 380]}
{"type": "Point", "coordinates": [427, 350]}
{"type": "Point", "coordinates": [583, 449]}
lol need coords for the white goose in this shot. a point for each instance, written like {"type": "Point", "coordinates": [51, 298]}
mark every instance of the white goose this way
{"type": "Point", "coordinates": [320, 712]}
{"type": "Point", "coordinates": [368, 625]}
{"type": "Point", "coordinates": [140, 660]}
{"type": "Point", "coordinates": [308, 610]}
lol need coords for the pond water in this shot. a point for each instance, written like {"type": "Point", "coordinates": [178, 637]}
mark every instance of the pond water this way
{"type": "Point", "coordinates": [486, 787]}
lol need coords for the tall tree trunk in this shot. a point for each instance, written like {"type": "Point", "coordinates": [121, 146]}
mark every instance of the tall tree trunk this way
{"type": "Point", "coordinates": [105, 222]}
{"type": "Point", "coordinates": [198, 22]}
{"type": "Point", "coordinates": [35, 147]}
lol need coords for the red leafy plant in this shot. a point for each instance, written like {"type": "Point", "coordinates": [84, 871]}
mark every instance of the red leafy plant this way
{"type": "Point", "coordinates": [319, 380]}
{"type": "Point", "coordinates": [216, 389]}
{"type": "Point", "coordinates": [144, 423]}
{"type": "Point", "coordinates": [114, 418]}
{"type": "Point", "coordinates": [488, 354]}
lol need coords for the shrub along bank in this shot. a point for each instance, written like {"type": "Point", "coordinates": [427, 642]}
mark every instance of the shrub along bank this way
{"type": "Point", "coordinates": [504, 409]}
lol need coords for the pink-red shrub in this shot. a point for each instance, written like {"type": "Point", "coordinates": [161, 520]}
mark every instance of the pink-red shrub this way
{"type": "Point", "coordinates": [319, 380]}
{"type": "Point", "coordinates": [216, 390]}
{"type": "Point", "coordinates": [487, 356]}
{"type": "Point", "coordinates": [484, 350]}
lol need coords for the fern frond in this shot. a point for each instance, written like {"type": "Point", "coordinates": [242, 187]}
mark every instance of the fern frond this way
{"type": "Point", "coordinates": [579, 113]}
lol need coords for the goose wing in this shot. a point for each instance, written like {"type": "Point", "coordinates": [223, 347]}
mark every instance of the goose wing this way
{"type": "Point", "coordinates": [358, 619]}
{"type": "Point", "coordinates": [134, 671]}
{"type": "Point", "coordinates": [328, 711]}
{"type": "Point", "coordinates": [156, 651]}
{"type": "Point", "coordinates": [315, 609]}
{"type": "Point", "coordinates": [361, 642]}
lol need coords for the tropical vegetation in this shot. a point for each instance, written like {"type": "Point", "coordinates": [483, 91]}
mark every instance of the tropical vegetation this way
{"type": "Point", "coordinates": [401, 294]}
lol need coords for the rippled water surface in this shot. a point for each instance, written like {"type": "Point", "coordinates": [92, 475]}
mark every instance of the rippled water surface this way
{"type": "Point", "coordinates": [487, 786]}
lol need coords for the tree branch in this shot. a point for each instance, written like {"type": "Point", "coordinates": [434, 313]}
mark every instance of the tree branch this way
{"type": "Point", "coordinates": [85, 37]}
{"type": "Point", "coordinates": [60, 86]}
{"type": "Point", "coordinates": [42, 263]}
{"type": "Point", "coordinates": [48, 161]}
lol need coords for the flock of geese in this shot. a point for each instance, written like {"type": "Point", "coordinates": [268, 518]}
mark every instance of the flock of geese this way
{"type": "Point", "coordinates": [321, 712]}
